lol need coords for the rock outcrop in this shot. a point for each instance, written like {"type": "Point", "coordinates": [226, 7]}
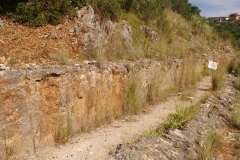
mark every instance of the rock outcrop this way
{"type": "Point", "coordinates": [184, 144]}
{"type": "Point", "coordinates": [91, 35]}
{"type": "Point", "coordinates": [36, 100]}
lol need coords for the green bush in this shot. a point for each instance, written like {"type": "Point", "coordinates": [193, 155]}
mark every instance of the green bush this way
{"type": "Point", "coordinates": [179, 119]}
{"type": "Point", "coordinates": [40, 12]}
{"type": "Point", "coordinates": [107, 9]}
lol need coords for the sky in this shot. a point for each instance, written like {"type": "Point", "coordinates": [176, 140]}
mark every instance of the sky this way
{"type": "Point", "coordinates": [217, 8]}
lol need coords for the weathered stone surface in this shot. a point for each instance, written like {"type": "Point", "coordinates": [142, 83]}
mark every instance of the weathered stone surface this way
{"type": "Point", "coordinates": [127, 34]}
{"type": "Point", "coordinates": [1, 24]}
{"type": "Point", "coordinates": [54, 35]}
{"type": "Point", "coordinates": [150, 33]}
{"type": "Point", "coordinates": [91, 36]}
{"type": "Point", "coordinates": [34, 99]}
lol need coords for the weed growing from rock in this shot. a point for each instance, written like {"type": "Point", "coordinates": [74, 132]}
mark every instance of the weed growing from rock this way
{"type": "Point", "coordinates": [211, 143]}
{"type": "Point", "coordinates": [133, 99]}
{"type": "Point", "coordinates": [154, 87]}
{"type": "Point", "coordinates": [63, 132]}
{"type": "Point", "coordinates": [8, 149]}
{"type": "Point", "coordinates": [62, 57]}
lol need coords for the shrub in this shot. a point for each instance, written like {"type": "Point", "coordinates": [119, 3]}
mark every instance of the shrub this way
{"type": "Point", "coordinates": [107, 9]}
{"type": "Point", "coordinates": [179, 119]}
{"type": "Point", "coordinates": [40, 12]}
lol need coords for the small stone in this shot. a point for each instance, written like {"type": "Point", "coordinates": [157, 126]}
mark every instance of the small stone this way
{"type": "Point", "coordinates": [23, 64]}
{"type": "Point", "coordinates": [2, 42]}
{"type": "Point", "coordinates": [59, 26]}
{"type": "Point", "coordinates": [1, 24]}
{"type": "Point", "coordinates": [2, 59]}
{"type": "Point", "coordinates": [3, 67]}
{"type": "Point", "coordinates": [76, 30]}
{"type": "Point", "coordinates": [54, 35]}
{"type": "Point", "coordinates": [71, 30]}
{"type": "Point", "coordinates": [77, 65]}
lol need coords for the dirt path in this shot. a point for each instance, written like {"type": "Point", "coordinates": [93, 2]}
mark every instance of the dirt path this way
{"type": "Point", "coordinates": [96, 144]}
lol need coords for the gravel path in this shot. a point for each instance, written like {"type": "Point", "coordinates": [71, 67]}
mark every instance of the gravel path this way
{"type": "Point", "coordinates": [96, 144]}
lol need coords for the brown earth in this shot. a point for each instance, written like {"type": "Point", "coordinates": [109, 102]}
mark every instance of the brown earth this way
{"type": "Point", "coordinates": [22, 44]}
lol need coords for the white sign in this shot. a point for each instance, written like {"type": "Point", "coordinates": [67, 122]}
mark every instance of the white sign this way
{"type": "Point", "coordinates": [212, 65]}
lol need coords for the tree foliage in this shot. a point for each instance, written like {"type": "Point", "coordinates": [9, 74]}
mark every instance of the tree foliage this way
{"type": "Point", "coordinates": [40, 12]}
{"type": "Point", "coordinates": [183, 7]}
{"type": "Point", "coordinates": [229, 30]}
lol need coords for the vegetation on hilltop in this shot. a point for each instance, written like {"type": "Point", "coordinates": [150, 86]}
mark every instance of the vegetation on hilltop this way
{"type": "Point", "coordinates": [182, 31]}
{"type": "Point", "coordinates": [40, 12]}
{"type": "Point", "coordinates": [228, 30]}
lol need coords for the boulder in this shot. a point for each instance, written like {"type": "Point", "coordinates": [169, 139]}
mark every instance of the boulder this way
{"type": "Point", "coordinates": [127, 34]}
{"type": "Point", "coordinates": [90, 37]}
{"type": "Point", "coordinates": [150, 33]}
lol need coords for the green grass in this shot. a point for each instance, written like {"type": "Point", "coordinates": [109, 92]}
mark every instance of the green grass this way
{"type": "Point", "coordinates": [219, 76]}
{"type": "Point", "coordinates": [155, 92]}
{"type": "Point", "coordinates": [133, 101]}
{"type": "Point", "coordinates": [211, 144]}
{"type": "Point", "coordinates": [179, 119]}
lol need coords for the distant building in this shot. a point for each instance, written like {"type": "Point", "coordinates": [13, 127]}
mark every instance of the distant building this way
{"type": "Point", "coordinates": [234, 16]}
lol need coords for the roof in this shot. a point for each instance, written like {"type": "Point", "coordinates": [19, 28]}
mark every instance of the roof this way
{"type": "Point", "coordinates": [234, 14]}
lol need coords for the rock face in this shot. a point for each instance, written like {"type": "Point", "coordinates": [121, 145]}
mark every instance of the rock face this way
{"type": "Point", "coordinates": [36, 100]}
{"type": "Point", "coordinates": [150, 33]}
{"type": "Point", "coordinates": [184, 144]}
{"type": "Point", "coordinates": [91, 35]}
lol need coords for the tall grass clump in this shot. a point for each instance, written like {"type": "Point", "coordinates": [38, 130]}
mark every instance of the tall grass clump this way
{"type": "Point", "coordinates": [155, 86]}
{"type": "Point", "coordinates": [237, 83]}
{"type": "Point", "coordinates": [211, 143]}
{"type": "Point", "coordinates": [179, 119]}
{"type": "Point", "coordinates": [219, 76]}
{"type": "Point", "coordinates": [189, 75]}
{"type": "Point", "coordinates": [63, 131]}
{"type": "Point", "coordinates": [133, 101]}
{"type": "Point", "coordinates": [8, 149]}
{"type": "Point", "coordinates": [62, 57]}
{"type": "Point", "coordinates": [235, 115]}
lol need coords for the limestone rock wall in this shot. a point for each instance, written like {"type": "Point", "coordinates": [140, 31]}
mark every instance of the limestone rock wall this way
{"type": "Point", "coordinates": [35, 101]}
